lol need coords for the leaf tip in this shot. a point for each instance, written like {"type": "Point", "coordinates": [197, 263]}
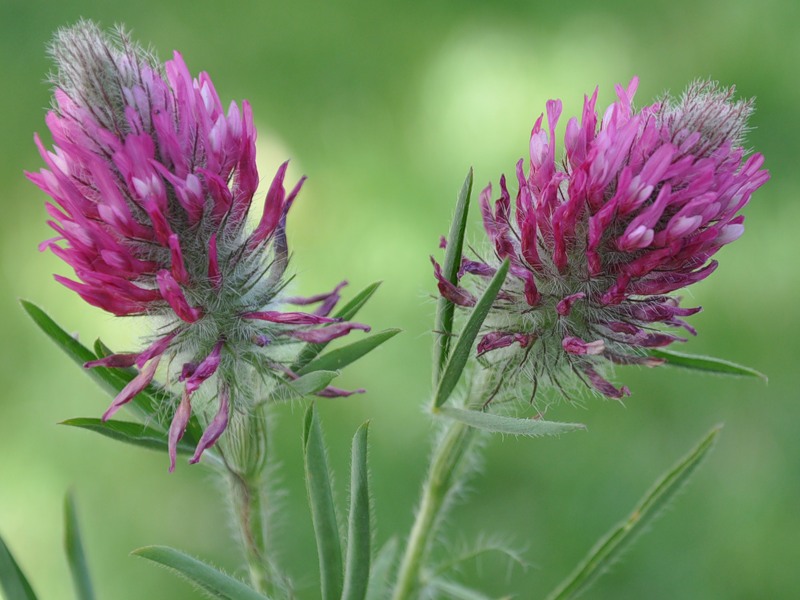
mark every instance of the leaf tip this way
{"type": "Point", "coordinates": [308, 420]}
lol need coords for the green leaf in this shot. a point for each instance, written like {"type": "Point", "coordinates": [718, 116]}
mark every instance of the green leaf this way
{"type": "Point", "coordinates": [323, 513]}
{"type": "Point", "coordinates": [347, 312]}
{"type": "Point", "coordinates": [106, 378]}
{"type": "Point", "coordinates": [130, 433]}
{"type": "Point", "coordinates": [463, 348]}
{"type": "Point", "coordinates": [341, 357]}
{"type": "Point", "coordinates": [443, 325]}
{"type": "Point", "coordinates": [12, 580]}
{"type": "Point", "coordinates": [308, 384]}
{"type": "Point", "coordinates": [380, 577]}
{"type": "Point", "coordinates": [146, 404]}
{"type": "Point", "coordinates": [73, 546]}
{"type": "Point", "coordinates": [101, 350]}
{"type": "Point", "coordinates": [608, 548]}
{"type": "Point", "coordinates": [456, 591]}
{"type": "Point", "coordinates": [202, 576]}
{"type": "Point", "coordinates": [508, 425]}
{"type": "Point", "coordinates": [359, 537]}
{"type": "Point", "coordinates": [708, 364]}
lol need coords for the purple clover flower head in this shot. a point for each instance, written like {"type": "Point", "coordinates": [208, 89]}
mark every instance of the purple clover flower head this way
{"type": "Point", "coordinates": [597, 241]}
{"type": "Point", "coordinates": [151, 181]}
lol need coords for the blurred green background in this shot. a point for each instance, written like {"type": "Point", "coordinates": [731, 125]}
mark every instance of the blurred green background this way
{"type": "Point", "coordinates": [385, 105]}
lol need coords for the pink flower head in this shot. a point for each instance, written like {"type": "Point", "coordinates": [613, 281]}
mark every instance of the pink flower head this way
{"type": "Point", "coordinates": [597, 240]}
{"type": "Point", "coordinates": [151, 181]}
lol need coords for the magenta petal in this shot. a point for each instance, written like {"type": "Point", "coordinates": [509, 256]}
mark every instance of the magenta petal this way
{"type": "Point", "coordinates": [178, 266]}
{"type": "Point", "coordinates": [564, 307]}
{"type": "Point", "coordinates": [495, 340]}
{"type": "Point", "coordinates": [577, 346]}
{"type": "Point", "coordinates": [156, 348]}
{"type": "Point", "coordinates": [135, 385]}
{"type": "Point", "coordinates": [290, 318]}
{"type": "Point", "coordinates": [328, 300]}
{"type": "Point", "coordinates": [453, 293]}
{"type": "Point", "coordinates": [215, 429]}
{"type": "Point", "coordinates": [177, 428]}
{"type": "Point", "coordinates": [273, 208]}
{"type": "Point", "coordinates": [205, 369]}
{"type": "Point", "coordinates": [116, 361]}
{"type": "Point", "coordinates": [49, 243]}
{"type": "Point", "coordinates": [603, 386]}
{"type": "Point", "coordinates": [333, 392]}
{"type": "Point", "coordinates": [627, 359]}
{"type": "Point", "coordinates": [327, 333]}
{"type": "Point", "coordinates": [171, 292]}
{"type": "Point", "coordinates": [476, 268]}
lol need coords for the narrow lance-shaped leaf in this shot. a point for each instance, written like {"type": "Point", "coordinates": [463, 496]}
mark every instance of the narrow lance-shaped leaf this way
{"type": "Point", "coordinates": [341, 357]}
{"type": "Point", "coordinates": [359, 536]}
{"type": "Point", "coordinates": [707, 364]}
{"type": "Point", "coordinates": [381, 574]}
{"type": "Point", "coordinates": [609, 547]}
{"type": "Point", "coordinates": [463, 348]}
{"type": "Point", "coordinates": [323, 513]}
{"type": "Point", "coordinates": [106, 378]}
{"type": "Point", "coordinates": [443, 325]}
{"type": "Point", "coordinates": [508, 425]}
{"type": "Point", "coordinates": [147, 403]}
{"type": "Point", "coordinates": [13, 582]}
{"type": "Point", "coordinates": [308, 384]}
{"type": "Point", "coordinates": [137, 434]}
{"type": "Point", "coordinates": [76, 557]}
{"type": "Point", "coordinates": [347, 312]}
{"type": "Point", "coordinates": [202, 576]}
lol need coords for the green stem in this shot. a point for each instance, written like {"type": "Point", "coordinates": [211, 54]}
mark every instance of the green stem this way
{"type": "Point", "coordinates": [244, 453]}
{"type": "Point", "coordinates": [440, 481]}
{"type": "Point", "coordinates": [443, 475]}
{"type": "Point", "coordinates": [246, 496]}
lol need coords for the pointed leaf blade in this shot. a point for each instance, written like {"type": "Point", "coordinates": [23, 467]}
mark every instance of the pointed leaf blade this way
{"type": "Point", "coordinates": [359, 538]}
{"type": "Point", "coordinates": [106, 378]}
{"type": "Point", "coordinates": [137, 434]}
{"type": "Point", "coordinates": [76, 557]}
{"type": "Point", "coordinates": [708, 364]}
{"type": "Point", "coordinates": [443, 325]}
{"type": "Point", "coordinates": [341, 357]}
{"type": "Point", "coordinates": [349, 310]}
{"type": "Point", "coordinates": [508, 425]}
{"type": "Point", "coordinates": [323, 513]}
{"type": "Point", "coordinates": [146, 404]}
{"type": "Point", "coordinates": [463, 348]}
{"type": "Point", "coordinates": [609, 547]}
{"type": "Point", "coordinates": [202, 576]}
{"type": "Point", "coordinates": [12, 580]}
{"type": "Point", "coordinates": [380, 577]}
{"type": "Point", "coordinates": [346, 313]}
{"type": "Point", "coordinates": [303, 386]}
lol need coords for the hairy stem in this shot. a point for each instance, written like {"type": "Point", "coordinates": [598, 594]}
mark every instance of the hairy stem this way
{"type": "Point", "coordinates": [248, 508]}
{"type": "Point", "coordinates": [444, 475]}
{"type": "Point", "coordinates": [440, 481]}
{"type": "Point", "coordinates": [247, 479]}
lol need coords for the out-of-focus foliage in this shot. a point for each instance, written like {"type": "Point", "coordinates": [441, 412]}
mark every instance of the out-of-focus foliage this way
{"type": "Point", "coordinates": [385, 105]}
